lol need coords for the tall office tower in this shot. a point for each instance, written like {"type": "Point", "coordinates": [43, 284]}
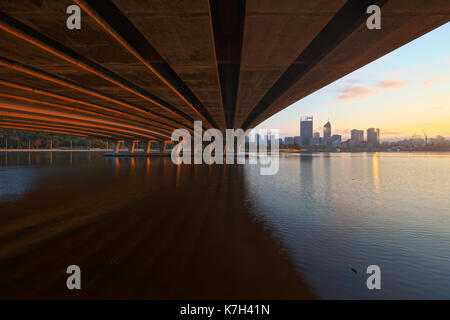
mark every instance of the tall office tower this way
{"type": "Point", "coordinates": [268, 139]}
{"type": "Point", "coordinates": [306, 130]}
{"type": "Point", "coordinates": [373, 136]}
{"type": "Point", "coordinates": [257, 139]}
{"type": "Point", "coordinates": [357, 136]}
{"type": "Point", "coordinates": [327, 132]}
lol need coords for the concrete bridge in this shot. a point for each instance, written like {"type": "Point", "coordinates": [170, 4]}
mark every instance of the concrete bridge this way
{"type": "Point", "coordinates": [137, 70]}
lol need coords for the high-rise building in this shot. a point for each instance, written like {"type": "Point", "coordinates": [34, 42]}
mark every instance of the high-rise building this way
{"type": "Point", "coordinates": [306, 130]}
{"type": "Point", "coordinates": [357, 136]}
{"type": "Point", "coordinates": [257, 139]}
{"type": "Point", "coordinates": [373, 136]}
{"type": "Point", "coordinates": [335, 140]}
{"type": "Point", "coordinates": [327, 132]}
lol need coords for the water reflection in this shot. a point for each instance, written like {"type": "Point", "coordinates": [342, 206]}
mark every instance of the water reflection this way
{"type": "Point", "coordinates": [306, 177]}
{"type": "Point", "coordinates": [196, 231]}
{"type": "Point", "coordinates": [339, 216]}
{"type": "Point", "coordinates": [376, 171]}
{"type": "Point", "coordinates": [165, 231]}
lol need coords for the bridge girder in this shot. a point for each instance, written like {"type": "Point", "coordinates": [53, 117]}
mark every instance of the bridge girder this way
{"type": "Point", "coordinates": [146, 68]}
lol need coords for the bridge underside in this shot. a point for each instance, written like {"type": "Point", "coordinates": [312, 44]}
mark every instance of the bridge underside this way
{"type": "Point", "coordinates": [136, 70]}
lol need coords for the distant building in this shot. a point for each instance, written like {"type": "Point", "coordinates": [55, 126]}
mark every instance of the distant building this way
{"type": "Point", "coordinates": [289, 140]}
{"type": "Point", "coordinates": [257, 139]}
{"type": "Point", "coordinates": [306, 130]}
{"type": "Point", "coordinates": [357, 137]}
{"type": "Point", "coordinates": [373, 136]}
{"type": "Point", "coordinates": [417, 140]}
{"type": "Point", "coordinates": [439, 140]}
{"type": "Point", "coordinates": [327, 132]}
{"type": "Point", "coordinates": [335, 140]}
{"type": "Point", "coordinates": [317, 140]}
{"type": "Point", "coordinates": [298, 140]}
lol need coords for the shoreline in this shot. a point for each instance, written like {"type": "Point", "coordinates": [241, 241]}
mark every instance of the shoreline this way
{"type": "Point", "coordinates": [124, 151]}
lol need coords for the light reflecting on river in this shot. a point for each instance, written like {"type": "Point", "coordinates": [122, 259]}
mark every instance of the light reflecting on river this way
{"type": "Point", "coordinates": [144, 227]}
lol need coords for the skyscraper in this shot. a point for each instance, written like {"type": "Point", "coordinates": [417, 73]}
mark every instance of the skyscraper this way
{"type": "Point", "coordinates": [257, 139]}
{"type": "Point", "coordinates": [306, 130]}
{"type": "Point", "coordinates": [327, 132]}
{"type": "Point", "coordinates": [373, 136]}
{"type": "Point", "coordinates": [357, 136]}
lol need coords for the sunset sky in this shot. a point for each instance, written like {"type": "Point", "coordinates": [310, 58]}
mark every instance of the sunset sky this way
{"type": "Point", "coordinates": [405, 92]}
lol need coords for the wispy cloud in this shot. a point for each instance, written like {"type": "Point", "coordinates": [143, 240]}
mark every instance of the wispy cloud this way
{"type": "Point", "coordinates": [354, 92]}
{"type": "Point", "coordinates": [357, 91]}
{"type": "Point", "coordinates": [391, 84]}
{"type": "Point", "coordinates": [434, 80]}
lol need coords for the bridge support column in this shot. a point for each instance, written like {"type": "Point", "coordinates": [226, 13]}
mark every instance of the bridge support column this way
{"type": "Point", "coordinates": [115, 146]}
{"type": "Point", "coordinates": [165, 144]}
{"type": "Point", "coordinates": [148, 146]}
{"type": "Point", "coordinates": [131, 145]}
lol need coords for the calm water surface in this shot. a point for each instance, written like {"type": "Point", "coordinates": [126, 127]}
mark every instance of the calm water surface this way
{"type": "Point", "coordinates": [147, 228]}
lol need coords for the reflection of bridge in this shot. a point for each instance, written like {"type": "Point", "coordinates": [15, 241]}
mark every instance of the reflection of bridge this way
{"type": "Point", "coordinates": [139, 69]}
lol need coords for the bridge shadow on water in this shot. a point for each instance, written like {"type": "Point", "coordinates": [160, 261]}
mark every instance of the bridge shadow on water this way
{"type": "Point", "coordinates": [138, 228]}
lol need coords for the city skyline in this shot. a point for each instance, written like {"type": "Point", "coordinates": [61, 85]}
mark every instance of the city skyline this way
{"type": "Point", "coordinates": [402, 93]}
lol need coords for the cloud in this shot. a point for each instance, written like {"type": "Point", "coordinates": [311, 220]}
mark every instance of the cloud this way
{"type": "Point", "coordinates": [354, 92]}
{"type": "Point", "coordinates": [357, 91]}
{"type": "Point", "coordinates": [391, 84]}
{"type": "Point", "coordinates": [392, 133]}
{"type": "Point", "coordinates": [342, 132]}
{"type": "Point", "coordinates": [433, 80]}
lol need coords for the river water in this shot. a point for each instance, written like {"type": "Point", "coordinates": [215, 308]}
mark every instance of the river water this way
{"type": "Point", "coordinates": [146, 228]}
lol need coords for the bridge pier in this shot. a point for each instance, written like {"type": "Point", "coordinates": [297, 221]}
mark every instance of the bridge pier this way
{"type": "Point", "coordinates": [163, 146]}
{"type": "Point", "coordinates": [148, 146]}
{"type": "Point", "coordinates": [115, 146]}
{"type": "Point", "coordinates": [131, 145]}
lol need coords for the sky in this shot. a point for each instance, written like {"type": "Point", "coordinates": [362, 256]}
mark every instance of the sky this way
{"type": "Point", "coordinates": [403, 93]}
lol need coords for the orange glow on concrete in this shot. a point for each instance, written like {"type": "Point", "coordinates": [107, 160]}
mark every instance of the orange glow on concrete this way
{"type": "Point", "coordinates": [118, 126]}
{"type": "Point", "coordinates": [67, 108]}
{"type": "Point", "coordinates": [73, 124]}
{"type": "Point", "coordinates": [58, 126]}
{"type": "Point", "coordinates": [57, 96]}
{"type": "Point", "coordinates": [134, 53]}
{"type": "Point", "coordinates": [42, 129]}
{"type": "Point", "coordinates": [67, 84]}
{"type": "Point", "coordinates": [79, 64]}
